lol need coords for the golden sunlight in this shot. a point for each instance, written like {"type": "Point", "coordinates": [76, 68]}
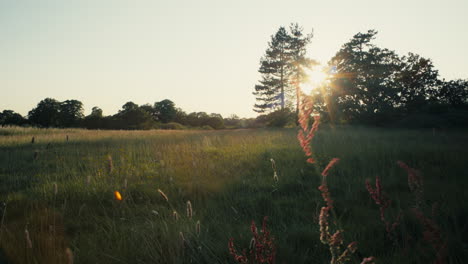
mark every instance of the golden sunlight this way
{"type": "Point", "coordinates": [316, 77]}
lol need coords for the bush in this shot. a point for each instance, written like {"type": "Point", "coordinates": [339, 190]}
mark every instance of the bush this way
{"type": "Point", "coordinates": [281, 118]}
{"type": "Point", "coordinates": [172, 126]}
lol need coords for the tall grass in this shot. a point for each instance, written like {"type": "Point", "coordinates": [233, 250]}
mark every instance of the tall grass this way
{"type": "Point", "coordinates": [65, 196]}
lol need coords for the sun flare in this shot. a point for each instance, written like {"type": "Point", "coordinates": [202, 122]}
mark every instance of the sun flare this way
{"type": "Point", "coordinates": [316, 77]}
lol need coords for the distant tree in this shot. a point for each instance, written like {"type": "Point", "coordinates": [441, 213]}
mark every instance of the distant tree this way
{"type": "Point", "coordinates": [165, 110]}
{"type": "Point", "coordinates": [363, 89]}
{"type": "Point", "coordinates": [284, 59]}
{"type": "Point", "coordinates": [454, 93]}
{"type": "Point", "coordinates": [150, 109]}
{"type": "Point", "coordinates": [95, 120]}
{"type": "Point", "coordinates": [133, 117]}
{"type": "Point", "coordinates": [96, 112]}
{"type": "Point", "coordinates": [233, 121]}
{"type": "Point", "coordinates": [70, 113]}
{"type": "Point", "coordinates": [46, 113]}
{"type": "Point", "coordinates": [128, 106]}
{"type": "Point", "coordinates": [418, 81]}
{"type": "Point", "coordinates": [9, 117]}
{"type": "Point", "coordinates": [215, 121]}
{"type": "Point", "coordinates": [180, 116]}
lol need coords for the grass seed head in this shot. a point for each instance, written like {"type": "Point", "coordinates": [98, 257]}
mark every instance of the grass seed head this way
{"type": "Point", "coordinates": [110, 164]}
{"type": "Point", "coordinates": [69, 255]}
{"type": "Point", "coordinates": [198, 228]}
{"type": "Point", "coordinates": [28, 238]}
{"type": "Point", "coordinates": [189, 210]}
{"type": "Point", "coordinates": [163, 195]}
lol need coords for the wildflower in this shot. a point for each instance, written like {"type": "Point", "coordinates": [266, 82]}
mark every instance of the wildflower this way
{"type": "Point", "coordinates": [336, 239]}
{"type": "Point", "coordinates": [383, 202]}
{"type": "Point", "coordinates": [323, 223]}
{"type": "Point", "coordinates": [118, 196]}
{"type": "Point", "coordinates": [326, 195]}
{"type": "Point", "coordinates": [415, 182]}
{"type": "Point", "coordinates": [368, 260]}
{"type": "Point", "coordinates": [329, 166]}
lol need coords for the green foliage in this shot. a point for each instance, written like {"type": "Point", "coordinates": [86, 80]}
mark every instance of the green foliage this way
{"type": "Point", "coordinates": [280, 118]}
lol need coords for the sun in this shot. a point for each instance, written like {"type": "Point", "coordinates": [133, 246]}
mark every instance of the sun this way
{"type": "Point", "coordinates": [316, 77]}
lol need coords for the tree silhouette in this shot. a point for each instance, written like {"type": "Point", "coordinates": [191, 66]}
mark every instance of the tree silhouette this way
{"type": "Point", "coordinates": [46, 113]}
{"type": "Point", "coordinates": [71, 113]}
{"type": "Point", "coordinates": [165, 110]}
{"type": "Point", "coordinates": [283, 60]}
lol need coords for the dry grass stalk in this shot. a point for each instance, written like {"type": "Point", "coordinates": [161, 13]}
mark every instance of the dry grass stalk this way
{"type": "Point", "coordinates": [198, 228]}
{"type": "Point", "coordinates": [163, 195]}
{"type": "Point", "coordinates": [28, 238]}
{"type": "Point", "coordinates": [189, 210]}
{"type": "Point", "coordinates": [110, 164]}
{"type": "Point", "coordinates": [69, 255]}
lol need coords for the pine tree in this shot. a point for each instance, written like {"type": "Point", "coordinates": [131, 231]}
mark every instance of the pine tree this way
{"type": "Point", "coordinates": [282, 63]}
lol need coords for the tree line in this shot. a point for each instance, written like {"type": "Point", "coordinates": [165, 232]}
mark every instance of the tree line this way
{"type": "Point", "coordinates": [366, 84]}
{"type": "Point", "coordinates": [161, 115]}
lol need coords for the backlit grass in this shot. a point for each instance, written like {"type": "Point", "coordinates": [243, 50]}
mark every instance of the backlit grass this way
{"type": "Point", "coordinates": [63, 192]}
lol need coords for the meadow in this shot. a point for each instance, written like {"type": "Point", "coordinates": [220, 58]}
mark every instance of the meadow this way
{"type": "Point", "coordinates": [59, 202]}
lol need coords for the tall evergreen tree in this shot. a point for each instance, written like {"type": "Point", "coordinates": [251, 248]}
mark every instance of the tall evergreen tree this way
{"type": "Point", "coordinates": [283, 60]}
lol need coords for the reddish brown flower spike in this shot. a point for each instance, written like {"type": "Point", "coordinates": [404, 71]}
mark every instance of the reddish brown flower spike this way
{"type": "Point", "coordinates": [329, 166]}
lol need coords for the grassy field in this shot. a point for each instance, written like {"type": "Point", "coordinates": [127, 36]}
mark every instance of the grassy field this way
{"type": "Point", "coordinates": [62, 192]}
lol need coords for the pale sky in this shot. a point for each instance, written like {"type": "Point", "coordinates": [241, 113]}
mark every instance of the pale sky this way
{"type": "Point", "coordinates": [202, 54]}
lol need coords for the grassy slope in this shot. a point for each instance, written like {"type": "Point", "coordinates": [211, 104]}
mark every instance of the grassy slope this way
{"type": "Point", "coordinates": [227, 176]}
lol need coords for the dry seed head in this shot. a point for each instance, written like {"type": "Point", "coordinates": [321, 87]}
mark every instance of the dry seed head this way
{"type": "Point", "coordinates": [252, 243]}
{"type": "Point", "coordinates": [110, 164]}
{"type": "Point", "coordinates": [28, 238]}
{"type": "Point", "coordinates": [69, 255]}
{"type": "Point", "coordinates": [189, 210]}
{"type": "Point", "coordinates": [198, 228]}
{"type": "Point", "coordinates": [182, 238]}
{"type": "Point", "coordinates": [175, 215]}
{"type": "Point", "coordinates": [329, 166]}
{"type": "Point", "coordinates": [163, 195]}
{"type": "Point", "coordinates": [55, 188]}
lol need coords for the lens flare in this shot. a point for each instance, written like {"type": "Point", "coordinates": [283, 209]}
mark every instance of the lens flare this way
{"type": "Point", "coordinates": [316, 77]}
